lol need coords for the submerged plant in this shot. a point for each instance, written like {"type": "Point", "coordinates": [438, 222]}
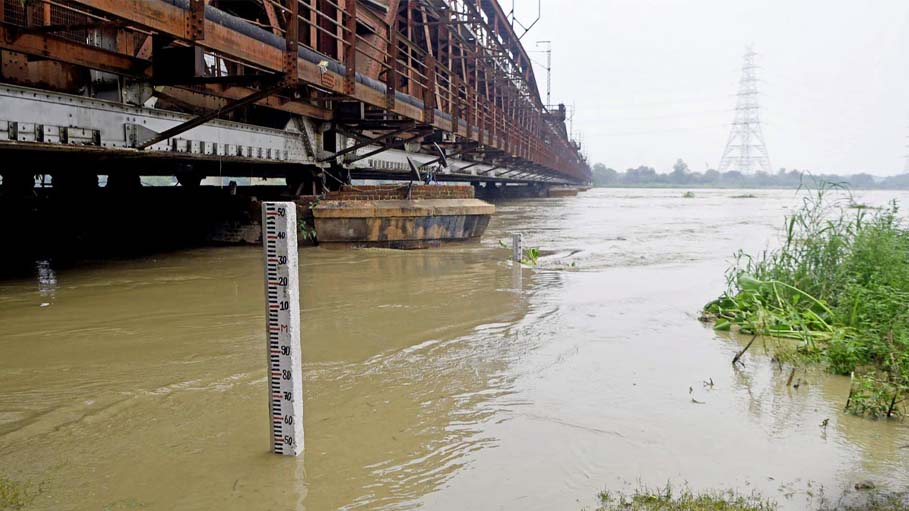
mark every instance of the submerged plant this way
{"type": "Point", "coordinates": [307, 232]}
{"type": "Point", "coordinates": [836, 292]}
{"type": "Point", "coordinates": [530, 256]}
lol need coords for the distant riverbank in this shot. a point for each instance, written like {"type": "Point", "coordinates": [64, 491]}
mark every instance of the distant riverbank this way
{"type": "Point", "coordinates": [672, 186]}
{"type": "Point", "coordinates": [683, 177]}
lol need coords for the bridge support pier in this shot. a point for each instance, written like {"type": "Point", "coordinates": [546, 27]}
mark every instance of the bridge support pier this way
{"type": "Point", "coordinates": [17, 184]}
{"type": "Point", "coordinates": [124, 182]}
{"type": "Point", "coordinates": [335, 178]}
{"type": "Point", "coordinates": [189, 179]}
{"type": "Point", "coordinates": [74, 182]}
{"type": "Point", "coordinates": [303, 183]}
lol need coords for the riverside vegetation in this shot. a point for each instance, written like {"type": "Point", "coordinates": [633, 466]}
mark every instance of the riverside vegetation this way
{"type": "Point", "coordinates": [669, 498]}
{"type": "Point", "coordinates": [835, 293]}
{"type": "Point", "coordinates": [672, 499]}
{"type": "Point", "coordinates": [681, 176]}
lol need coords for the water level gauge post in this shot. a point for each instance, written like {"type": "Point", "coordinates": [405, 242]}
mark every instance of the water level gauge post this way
{"type": "Point", "coordinates": [282, 327]}
{"type": "Point", "coordinates": [517, 247]}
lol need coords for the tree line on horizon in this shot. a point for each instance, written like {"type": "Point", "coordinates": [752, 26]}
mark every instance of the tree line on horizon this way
{"type": "Point", "coordinates": [682, 176]}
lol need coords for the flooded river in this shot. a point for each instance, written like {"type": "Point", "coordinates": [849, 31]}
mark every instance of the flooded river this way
{"type": "Point", "coordinates": [436, 379]}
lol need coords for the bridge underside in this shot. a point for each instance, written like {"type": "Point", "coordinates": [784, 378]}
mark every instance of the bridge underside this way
{"type": "Point", "coordinates": [197, 88]}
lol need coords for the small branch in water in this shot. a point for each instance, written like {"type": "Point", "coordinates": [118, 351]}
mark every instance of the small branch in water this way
{"type": "Point", "coordinates": [791, 375]}
{"type": "Point", "coordinates": [851, 390]}
{"type": "Point", "coordinates": [896, 393]}
{"type": "Point", "coordinates": [892, 404]}
{"type": "Point", "coordinates": [739, 355]}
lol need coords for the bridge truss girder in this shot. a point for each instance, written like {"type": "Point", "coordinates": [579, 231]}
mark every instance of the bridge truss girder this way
{"type": "Point", "coordinates": [453, 67]}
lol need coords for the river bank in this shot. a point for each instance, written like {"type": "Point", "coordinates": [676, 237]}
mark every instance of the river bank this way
{"type": "Point", "coordinates": [835, 293]}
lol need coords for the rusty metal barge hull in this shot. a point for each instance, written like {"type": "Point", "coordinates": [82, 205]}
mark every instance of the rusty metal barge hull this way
{"type": "Point", "coordinates": [403, 224]}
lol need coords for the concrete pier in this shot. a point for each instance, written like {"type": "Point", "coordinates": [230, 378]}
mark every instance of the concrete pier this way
{"type": "Point", "coordinates": [415, 223]}
{"type": "Point", "coordinates": [400, 216]}
{"type": "Point", "coordinates": [563, 191]}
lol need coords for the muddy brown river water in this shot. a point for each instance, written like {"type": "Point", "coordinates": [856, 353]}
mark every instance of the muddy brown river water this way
{"type": "Point", "coordinates": [436, 379]}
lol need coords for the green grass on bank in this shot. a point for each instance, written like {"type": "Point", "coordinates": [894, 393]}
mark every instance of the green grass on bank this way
{"type": "Point", "coordinates": [836, 292]}
{"type": "Point", "coordinates": [15, 495]}
{"type": "Point", "coordinates": [671, 499]}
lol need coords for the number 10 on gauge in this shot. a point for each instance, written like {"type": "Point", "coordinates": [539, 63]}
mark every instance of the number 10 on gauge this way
{"type": "Point", "coordinates": [282, 327]}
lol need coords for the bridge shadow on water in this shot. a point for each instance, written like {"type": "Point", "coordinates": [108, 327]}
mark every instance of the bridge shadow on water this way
{"type": "Point", "coordinates": [99, 225]}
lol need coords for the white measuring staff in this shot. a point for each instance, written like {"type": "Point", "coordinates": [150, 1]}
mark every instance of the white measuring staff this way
{"type": "Point", "coordinates": [517, 247]}
{"type": "Point", "coordinates": [282, 327]}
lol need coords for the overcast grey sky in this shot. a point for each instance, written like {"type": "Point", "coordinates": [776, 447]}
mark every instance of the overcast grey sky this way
{"type": "Point", "coordinates": [655, 80]}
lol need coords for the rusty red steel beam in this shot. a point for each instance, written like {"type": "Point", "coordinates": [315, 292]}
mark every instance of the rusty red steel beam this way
{"type": "Point", "coordinates": [64, 50]}
{"type": "Point", "coordinates": [510, 41]}
{"type": "Point", "coordinates": [169, 19]}
{"type": "Point", "coordinates": [391, 74]}
{"type": "Point", "coordinates": [494, 11]}
{"type": "Point", "coordinates": [212, 97]}
{"type": "Point", "coordinates": [350, 45]}
{"type": "Point", "coordinates": [195, 21]}
{"type": "Point", "coordinates": [292, 45]}
{"type": "Point", "coordinates": [64, 27]}
{"type": "Point", "coordinates": [272, 16]}
{"type": "Point", "coordinates": [511, 118]}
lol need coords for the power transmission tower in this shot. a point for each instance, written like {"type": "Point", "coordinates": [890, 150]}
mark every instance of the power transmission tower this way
{"type": "Point", "coordinates": [746, 150]}
{"type": "Point", "coordinates": [906, 167]}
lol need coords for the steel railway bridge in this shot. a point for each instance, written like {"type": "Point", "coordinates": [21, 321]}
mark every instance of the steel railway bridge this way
{"type": "Point", "coordinates": [300, 89]}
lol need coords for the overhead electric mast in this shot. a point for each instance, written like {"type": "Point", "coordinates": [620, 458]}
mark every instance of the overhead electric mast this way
{"type": "Point", "coordinates": [746, 150]}
{"type": "Point", "coordinates": [548, 51]}
{"type": "Point", "coordinates": [906, 167]}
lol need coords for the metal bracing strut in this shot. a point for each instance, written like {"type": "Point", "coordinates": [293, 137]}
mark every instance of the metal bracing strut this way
{"type": "Point", "coordinates": [202, 119]}
{"type": "Point", "coordinates": [394, 145]}
{"type": "Point", "coordinates": [364, 141]}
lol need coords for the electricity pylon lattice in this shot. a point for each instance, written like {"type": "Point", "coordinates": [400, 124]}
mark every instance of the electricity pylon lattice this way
{"type": "Point", "coordinates": [746, 150]}
{"type": "Point", "coordinates": [906, 168]}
